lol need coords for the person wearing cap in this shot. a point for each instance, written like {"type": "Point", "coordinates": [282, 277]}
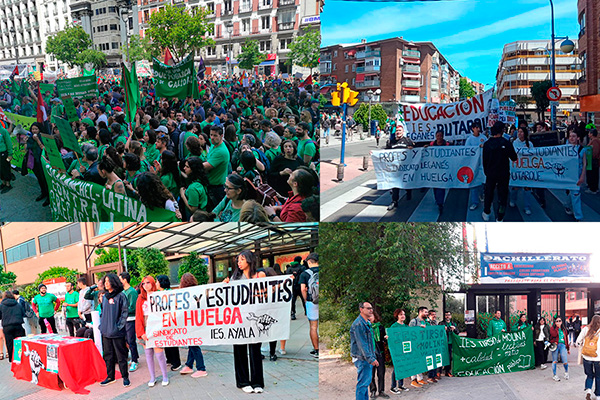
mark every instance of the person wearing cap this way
{"type": "Point", "coordinates": [58, 109]}
{"type": "Point", "coordinates": [101, 114]}
{"type": "Point", "coordinates": [307, 287]}
{"type": "Point", "coordinates": [475, 139]}
{"type": "Point", "coordinates": [497, 154]}
{"type": "Point", "coordinates": [216, 165]}
{"type": "Point", "coordinates": [45, 305]}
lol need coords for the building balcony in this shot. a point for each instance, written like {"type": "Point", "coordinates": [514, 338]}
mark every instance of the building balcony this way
{"type": "Point", "coordinates": [283, 3]}
{"type": "Point", "coordinates": [435, 86]}
{"type": "Point", "coordinates": [260, 32]}
{"type": "Point", "coordinates": [410, 98]}
{"type": "Point", "coordinates": [367, 54]}
{"type": "Point", "coordinates": [265, 5]}
{"type": "Point", "coordinates": [411, 53]}
{"type": "Point", "coordinates": [369, 84]}
{"type": "Point", "coordinates": [368, 68]}
{"type": "Point", "coordinates": [226, 13]}
{"type": "Point", "coordinates": [435, 74]}
{"type": "Point", "coordinates": [285, 26]}
{"type": "Point", "coordinates": [325, 57]}
{"type": "Point", "coordinates": [324, 70]}
{"type": "Point", "coordinates": [411, 84]}
{"type": "Point", "coordinates": [411, 68]}
{"type": "Point", "coordinates": [244, 8]}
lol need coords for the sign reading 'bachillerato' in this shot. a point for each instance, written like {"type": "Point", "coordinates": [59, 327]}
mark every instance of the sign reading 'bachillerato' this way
{"type": "Point", "coordinates": [534, 267]}
{"type": "Point", "coordinates": [238, 312]}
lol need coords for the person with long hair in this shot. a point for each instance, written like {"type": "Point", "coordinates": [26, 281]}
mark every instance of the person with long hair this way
{"type": "Point", "coordinates": [249, 380]}
{"type": "Point", "coordinates": [195, 196]}
{"type": "Point", "coordinates": [591, 362]}
{"type": "Point", "coordinates": [521, 324]}
{"type": "Point", "coordinates": [541, 334]}
{"type": "Point", "coordinates": [398, 384]}
{"type": "Point", "coordinates": [560, 337]}
{"type": "Point", "coordinates": [522, 141]}
{"type": "Point", "coordinates": [113, 182]}
{"type": "Point", "coordinates": [379, 338]}
{"type": "Point", "coordinates": [12, 315]}
{"type": "Point", "coordinates": [194, 352]}
{"type": "Point", "coordinates": [35, 146]}
{"type": "Point", "coordinates": [169, 172]}
{"type": "Point", "coordinates": [113, 320]}
{"type": "Point", "coordinates": [302, 183]}
{"type": "Point", "coordinates": [142, 309]}
{"type": "Point", "coordinates": [154, 194]}
{"type": "Point", "coordinates": [236, 189]}
{"type": "Point", "coordinates": [282, 167]}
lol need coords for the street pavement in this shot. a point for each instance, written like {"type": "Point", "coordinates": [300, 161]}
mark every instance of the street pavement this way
{"type": "Point", "coordinates": [356, 198]}
{"type": "Point", "coordinates": [292, 376]}
{"type": "Point", "coordinates": [19, 204]}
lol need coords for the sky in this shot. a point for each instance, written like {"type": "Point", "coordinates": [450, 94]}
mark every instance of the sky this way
{"type": "Point", "coordinates": [469, 33]}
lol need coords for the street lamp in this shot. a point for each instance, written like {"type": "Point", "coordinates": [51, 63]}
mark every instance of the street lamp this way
{"type": "Point", "coordinates": [125, 8]}
{"type": "Point", "coordinates": [509, 83]}
{"type": "Point", "coordinates": [229, 26]}
{"type": "Point", "coordinates": [566, 47]}
{"type": "Point", "coordinates": [14, 33]}
{"type": "Point", "coordinates": [371, 94]}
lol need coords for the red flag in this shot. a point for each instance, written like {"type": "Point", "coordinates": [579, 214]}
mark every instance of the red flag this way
{"type": "Point", "coordinates": [168, 58]}
{"type": "Point", "coordinates": [15, 72]}
{"type": "Point", "coordinates": [307, 81]}
{"type": "Point", "coordinates": [41, 109]}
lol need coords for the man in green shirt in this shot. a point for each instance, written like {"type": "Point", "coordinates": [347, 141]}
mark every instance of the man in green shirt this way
{"type": "Point", "coordinates": [306, 147]}
{"type": "Point", "coordinates": [132, 296]}
{"type": "Point", "coordinates": [44, 305]}
{"type": "Point", "coordinates": [450, 329]}
{"type": "Point", "coordinates": [71, 301]}
{"type": "Point", "coordinates": [496, 325]}
{"type": "Point", "coordinates": [216, 166]}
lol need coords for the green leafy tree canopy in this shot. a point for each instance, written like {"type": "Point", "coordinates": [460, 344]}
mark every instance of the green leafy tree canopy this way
{"type": "Point", "coordinates": [361, 115]}
{"type": "Point", "coordinates": [196, 266]}
{"type": "Point", "coordinates": [250, 55]}
{"type": "Point", "coordinates": [54, 272]}
{"type": "Point", "coordinates": [68, 44]}
{"type": "Point", "coordinates": [140, 48]}
{"type": "Point", "coordinates": [7, 280]}
{"type": "Point", "coordinates": [91, 56]}
{"type": "Point", "coordinates": [305, 49]}
{"type": "Point", "coordinates": [465, 89]}
{"type": "Point", "coordinates": [179, 29]}
{"type": "Point", "coordinates": [152, 262]}
{"type": "Point", "coordinates": [538, 92]}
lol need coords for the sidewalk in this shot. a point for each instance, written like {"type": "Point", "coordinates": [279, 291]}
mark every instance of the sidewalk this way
{"type": "Point", "coordinates": [19, 204]}
{"type": "Point", "coordinates": [337, 380]}
{"type": "Point", "coordinates": [293, 376]}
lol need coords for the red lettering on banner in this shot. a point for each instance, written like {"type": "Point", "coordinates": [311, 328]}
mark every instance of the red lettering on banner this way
{"type": "Point", "coordinates": [478, 105]}
{"type": "Point", "coordinates": [213, 316]}
{"type": "Point", "coordinates": [446, 113]}
{"type": "Point", "coordinates": [415, 113]}
{"type": "Point", "coordinates": [500, 267]}
{"type": "Point", "coordinates": [406, 113]}
{"type": "Point", "coordinates": [169, 319]}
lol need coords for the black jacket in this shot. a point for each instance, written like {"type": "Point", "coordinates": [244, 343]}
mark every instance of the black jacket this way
{"type": "Point", "coordinates": [497, 153]}
{"type": "Point", "coordinates": [92, 175]}
{"type": "Point", "coordinates": [114, 315]}
{"type": "Point", "coordinates": [11, 313]}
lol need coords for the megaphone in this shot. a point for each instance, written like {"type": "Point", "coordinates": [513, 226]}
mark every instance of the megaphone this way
{"type": "Point", "coordinates": [553, 347]}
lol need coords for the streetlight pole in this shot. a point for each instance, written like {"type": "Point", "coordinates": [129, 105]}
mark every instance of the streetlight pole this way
{"type": "Point", "coordinates": [370, 94]}
{"type": "Point", "coordinates": [553, 106]}
{"type": "Point", "coordinates": [229, 27]}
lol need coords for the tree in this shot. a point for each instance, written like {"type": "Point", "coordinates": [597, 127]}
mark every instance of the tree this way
{"type": "Point", "coordinates": [66, 45]}
{"type": "Point", "coordinates": [250, 55]}
{"type": "Point", "coordinates": [71, 275]}
{"type": "Point", "coordinates": [465, 89]}
{"type": "Point", "coordinates": [305, 49]}
{"type": "Point", "coordinates": [361, 115]}
{"type": "Point", "coordinates": [152, 262]}
{"type": "Point", "coordinates": [522, 102]}
{"type": "Point", "coordinates": [390, 265]}
{"type": "Point", "coordinates": [538, 92]}
{"type": "Point", "coordinates": [91, 56]}
{"type": "Point", "coordinates": [7, 280]}
{"type": "Point", "coordinates": [196, 266]}
{"type": "Point", "coordinates": [179, 29]}
{"type": "Point", "coordinates": [140, 48]}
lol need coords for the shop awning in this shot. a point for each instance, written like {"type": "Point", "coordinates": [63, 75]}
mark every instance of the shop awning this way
{"type": "Point", "coordinates": [590, 103]}
{"type": "Point", "coordinates": [267, 63]}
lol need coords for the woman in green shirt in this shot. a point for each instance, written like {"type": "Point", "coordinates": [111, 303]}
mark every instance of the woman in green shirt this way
{"type": "Point", "coordinates": [228, 210]}
{"type": "Point", "coordinates": [195, 196]}
{"type": "Point", "coordinates": [169, 173]}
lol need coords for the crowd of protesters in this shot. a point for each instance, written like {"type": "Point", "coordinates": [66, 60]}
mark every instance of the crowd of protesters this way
{"type": "Point", "coordinates": [235, 153]}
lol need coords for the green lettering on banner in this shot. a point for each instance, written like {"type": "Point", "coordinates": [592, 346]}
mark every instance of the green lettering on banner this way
{"type": "Point", "coordinates": [17, 119]}
{"type": "Point", "coordinates": [415, 350]}
{"type": "Point", "coordinates": [70, 109]}
{"type": "Point", "coordinates": [177, 80]}
{"type": "Point", "coordinates": [76, 200]}
{"type": "Point", "coordinates": [506, 352]}
{"type": "Point", "coordinates": [68, 137]}
{"type": "Point", "coordinates": [83, 87]}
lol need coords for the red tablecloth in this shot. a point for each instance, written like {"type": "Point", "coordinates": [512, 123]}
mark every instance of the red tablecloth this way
{"type": "Point", "coordinates": [48, 359]}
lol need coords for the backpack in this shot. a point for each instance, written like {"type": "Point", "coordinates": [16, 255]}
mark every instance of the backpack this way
{"type": "Point", "coordinates": [262, 157]}
{"type": "Point", "coordinates": [590, 346]}
{"type": "Point", "coordinates": [27, 308]}
{"type": "Point", "coordinates": [313, 285]}
{"type": "Point", "coordinates": [316, 157]}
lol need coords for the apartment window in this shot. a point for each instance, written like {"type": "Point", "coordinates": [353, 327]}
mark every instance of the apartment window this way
{"type": "Point", "coordinates": [346, 68]}
{"type": "Point", "coordinates": [112, 9]}
{"type": "Point", "coordinates": [100, 228]}
{"type": "Point", "coordinates": [335, 67]}
{"type": "Point", "coordinates": [579, 296]}
{"type": "Point", "coordinates": [114, 27]}
{"type": "Point", "coordinates": [21, 251]}
{"type": "Point", "coordinates": [60, 238]}
{"type": "Point", "coordinates": [353, 67]}
{"type": "Point", "coordinates": [265, 45]}
{"type": "Point", "coordinates": [246, 25]}
{"type": "Point", "coordinates": [115, 45]}
{"type": "Point", "coordinates": [210, 51]}
{"type": "Point", "coordinates": [537, 68]}
{"type": "Point", "coordinates": [285, 43]}
{"type": "Point", "coordinates": [265, 22]}
{"type": "Point", "coordinates": [211, 7]}
{"type": "Point", "coordinates": [335, 53]}
{"type": "Point", "coordinates": [353, 81]}
{"type": "Point", "coordinates": [582, 23]}
{"type": "Point", "coordinates": [146, 16]}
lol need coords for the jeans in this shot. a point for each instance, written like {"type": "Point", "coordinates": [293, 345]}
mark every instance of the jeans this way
{"type": "Point", "coordinates": [592, 372]}
{"type": "Point", "coordinates": [365, 371]}
{"type": "Point", "coordinates": [399, 382]}
{"type": "Point", "coordinates": [514, 193]}
{"type": "Point", "coordinates": [475, 193]}
{"type": "Point", "coordinates": [574, 203]}
{"type": "Point", "coordinates": [195, 354]}
{"type": "Point", "coordinates": [131, 340]}
{"type": "Point", "coordinates": [562, 349]}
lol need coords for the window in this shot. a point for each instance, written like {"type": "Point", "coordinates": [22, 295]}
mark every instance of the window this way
{"type": "Point", "coordinates": [582, 24]}
{"type": "Point", "coordinates": [211, 7]}
{"type": "Point", "coordinates": [346, 68]}
{"type": "Point", "coordinates": [285, 43]}
{"type": "Point", "coordinates": [334, 67]}
{"type": "Point", "coordinates": [579, 296]}
{"type": "Point", "coordinates": [246, 25]}
{"type": "Point", "coordinates": [353, 81]}
{"type": "Point", "coordinates": [115, 45]}
{"type": "Point", "coordinates": [210, 51]}
{"type": "Point", "coordinates": [146, 16]}
{"type": "Point", "coordinates": [265, 45]}
{"type": "Point", "coordinates": [353, 67]}
{"type": "Point", "coordinates": [21, 251]}
{"type": "Point", "coordinates": [59, 238]}
{"type": "Point", "coordinates": [114, 27]}
{"type": "Point", "coordinates": [265, 22]}
{"type": "Point", "coordinates": [112, 9]}
{"type": "Point", "coordinates": [335, 53]}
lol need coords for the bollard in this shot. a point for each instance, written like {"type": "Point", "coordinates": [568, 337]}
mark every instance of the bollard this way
{"type": "Point", "coordinates": [365, 163]}
{"type": "Point", "coordinates": [340, 172]}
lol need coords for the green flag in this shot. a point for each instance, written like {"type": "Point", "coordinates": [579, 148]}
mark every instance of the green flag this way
{"type": "Point", "coordinates": [129, 83]}
{"type": "Point", "coordinates": [66, 133]}
{"type": "Point", "coordinates": [177, 80]}
{"type": "Point", "coordinates": [52, 152]}
{"type": "Point", "coordinates": [70, 108]}
{"type": "Point", "coordinates": [89, 73]}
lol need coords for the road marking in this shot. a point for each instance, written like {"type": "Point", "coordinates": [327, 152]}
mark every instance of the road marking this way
{"type": "Point", "coordinates": [335, 205]}
{"type": "Point", "coordinates": [375, 211]}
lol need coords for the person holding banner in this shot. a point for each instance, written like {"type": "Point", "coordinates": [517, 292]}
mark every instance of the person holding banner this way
{"type": "Point", "coordinates": [521, 324]}
{"type": "Point", "coordinates": [399, 141]}
{"type": "Point", "coordinates": [496, 325]}
{"type": "Point", "coordinates": [560, 337]}
{"type": "Point", "coordinates": [400, 316]}
{"type": "Point", "coordinates": [476, 139]}
{"type": "Point", "coordinates": [422, 321]}
{"type": "Point", "coordinates": [142, 309]}
{"type": "Point", "coordinates": [249, 380]}
{"type": "Point", "coordinates": [588, 340]}
{"type": "Point", "coordinates": [438, 193]}
{"type": "Point", "coordinates": [171, 353]}
{"type": "Point", "coordinates": [573, 205]}
{"type": "Point", "coordinates": [194, 352]}
{"type": "Point", "coordinates": [522, 141]}
{"type": "Point", "coordinates": [451, 328]}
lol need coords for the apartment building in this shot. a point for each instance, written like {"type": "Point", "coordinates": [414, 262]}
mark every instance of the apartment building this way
{"type": "Point", "coordinates": [273, 23]}
{"type": "Point", "coordinates": [527, 61]}
{"type": "Point", "coordinates": [478, 87]}
{"type": "Point", "coordinates": [589, 53]}
{"type": "Point", "coordinates": [409, 72]}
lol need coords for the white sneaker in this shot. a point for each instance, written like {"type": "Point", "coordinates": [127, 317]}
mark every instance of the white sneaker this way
{"type": "Point", "coordinates": [556, 378]}
{"type": "Point", "coordinates": [151, 383]}
{"type": "Point", "coordinates": [566, 375]}
{"type": "Point", "coordinates": [486, 217]}
{"type": "Point", "coordinates": [248, 389]}
{"type": "Point", "coordinates": [544, 366]}
{"type": "Point", "coordinates": [282, 352]}
{"type": "Point", "coordinates": [165, 383]}
{"type": "Point", "coordinates": [473, 207]}
{"type": "Point", "coordinates": [528, 211]}
{"type": "Point", "coordinates": [258, 390]}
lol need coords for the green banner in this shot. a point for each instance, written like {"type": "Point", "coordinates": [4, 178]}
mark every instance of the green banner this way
{"type": "Point", "coordinates": [415, 350]}
{"type": "Point", "coordinates": [506, 352]}
{"type": "Point", "coordinates": [70, 108]}
{"type": "Point", "coordinates": [20, 119]}
{"type": "Point", "coordinates": [76, 200]}
{"type": "Point", "coordinates": [130, 85]}
{"type": "Point", "coordinates": [83, 87]}
{"type": "Point", "coordinates": [47, 87]}
{"type": "Point", "coordinates": [52, 152]}
{"type": "Point", "coordinates": [66, 133]}
{"type": "Point", "coordinates": [177, 80]}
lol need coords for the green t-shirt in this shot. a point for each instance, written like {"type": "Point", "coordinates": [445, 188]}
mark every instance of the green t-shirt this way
{"type": "Point", "coordinates": [218, 157]}
{"type": "Point", "coordinates": [225, 211]}
{"type": "Point", "coordinates": [561, 336]}
{"type": "Point", "coordinates": [187, 135]}
{"type": "Point", "coordinates": [272, 153]}
{"type": "Point", "coordinates": [45, 304]}
{"type": "Point", "coordinates": [132, 296]}
{"type": "Point", "coordinates": [170, 184]}
{"type": "Point", "coordinates": [76, 164]}
{"type": "Point", "coordinates": [196, 195]}
{"type": "Point", "coordinates": [72, 298]}
{"type": "Point", "coordinates": [306, 148]}
{"type": "Point", "coordinates": [151, 153]}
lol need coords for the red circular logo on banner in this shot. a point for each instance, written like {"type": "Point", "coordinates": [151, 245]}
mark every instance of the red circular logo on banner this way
{"type": "Point", "coordinates": [465, 175]}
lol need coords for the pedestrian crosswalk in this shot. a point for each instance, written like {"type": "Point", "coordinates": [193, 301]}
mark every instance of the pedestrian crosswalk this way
{"type": "Point", "coordinates": [364, 203]}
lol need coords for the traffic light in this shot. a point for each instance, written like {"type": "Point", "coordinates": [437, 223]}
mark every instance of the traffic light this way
{"type": "Point", "coordinates": [352, 97]}
{"type": "Point", "coordinates": [335, 99]}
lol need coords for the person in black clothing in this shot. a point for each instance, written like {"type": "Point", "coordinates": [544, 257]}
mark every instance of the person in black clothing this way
{"type": "Point", "coordinates": [497, 153]}
{"type": "Point", "coordinates": [576, 327]}
{"type": "Point", "coordinates": [296, 269]}
{"type": "Point", "coordinates": [399, 141]}
{"type": "Point", "coordinates": [171, 353]}
{"type": "Point", "coordinates": [439, 193]}
{"type": "Point", "coordinates": [113, 320]}
{"type": "Point", "coordinates": [11, 314]}
{"type": "Point", "coordinates": [379, 338]}
{"type": "Point", "coordinates": [282, 167]}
